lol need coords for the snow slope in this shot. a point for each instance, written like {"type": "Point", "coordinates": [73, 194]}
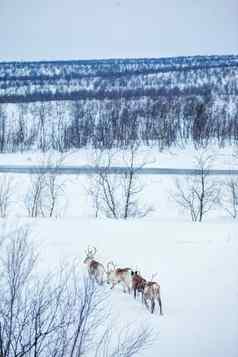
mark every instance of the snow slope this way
{"type": "Point", "coordinates": [196, 265]}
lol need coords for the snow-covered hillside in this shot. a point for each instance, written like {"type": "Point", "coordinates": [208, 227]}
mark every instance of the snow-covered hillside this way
{"type": "Point", "coordinates": [31, 81]}
{"type": "Point", "coordinates": [196, 265]}
{"type": "Point", "coordinates": [110, 103]}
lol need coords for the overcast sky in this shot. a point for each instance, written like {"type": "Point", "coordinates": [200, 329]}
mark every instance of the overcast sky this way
{"type": "Point", "coordinates": [74, 29]}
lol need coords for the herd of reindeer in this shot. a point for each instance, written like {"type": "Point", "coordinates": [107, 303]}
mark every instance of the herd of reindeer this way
{"type": "Point", "coordinates": [131, 280]}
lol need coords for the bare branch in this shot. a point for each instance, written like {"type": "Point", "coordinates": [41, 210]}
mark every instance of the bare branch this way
{"type": "Point", "coordinates": [198, 194]}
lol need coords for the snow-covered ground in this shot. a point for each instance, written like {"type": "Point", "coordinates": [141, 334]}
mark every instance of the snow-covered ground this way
{"type": "Point", "coordinates": [196, 265]}
{"type": "Point", "coordinates": [75, 201]}
{"type": "Point", "coordinates": [158, 191]}
{"type": "Point", "coordinates": [175, 157]}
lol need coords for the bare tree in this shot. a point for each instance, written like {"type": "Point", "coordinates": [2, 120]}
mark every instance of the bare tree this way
{"type": "Point", "coordinates": [130, 342]}
{"type": "Point", "coordinates": [230, 197]}
{"type": "Point", "coordinates": [55, 187]}
{"type": "Point", "coordinates": [3, 118]}
{"type": "Point", "coordinates": [34, 198]}
{"type": "Point", "coordinates": [94, 191]}
{"type": "Point", "coordinates": [60, 315]}
{"type": "Point", "coordinates": [45, 196]}
{"type": "Point", "coordinates": [199, 193]}
{"type": "Point", "coordinates": [59, 124]}
{"type": "Point", "coordinates": [116, 195]}
{"type": "Point", "coordinates": [42, 112]}
{"type": "Point", "coordinates": [6, 194]}
{"type": "Point", "coordinates": [16, 267]}
{"type": "Point", "coordinates": [55, 194]}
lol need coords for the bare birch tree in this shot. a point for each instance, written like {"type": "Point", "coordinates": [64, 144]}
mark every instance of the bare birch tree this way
{"type": "Point", "coordinates": [45, 195]}
{"type": "Point", "coordinates": [35, 195]}
{"type": "Point", "coordinates": [199, 193]}
{"type": "Point", "coordinates": [130, 342]}
{"type": "Point", "coordinates": [229, 198]}
{"type": "Point", "coordinates": [3, 138]}
{"type": "Point", "coordinates": [6, 194]}
{"type": "Point", "coordinates": [60, 314]}
{"type": "Point", "coordinates": [117, 195]}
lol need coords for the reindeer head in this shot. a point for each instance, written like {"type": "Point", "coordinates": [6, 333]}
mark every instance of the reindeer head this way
{"type": "Point", "coordinates": [135, 272]}
{"type": "Point", "coordinates": [90, 253]}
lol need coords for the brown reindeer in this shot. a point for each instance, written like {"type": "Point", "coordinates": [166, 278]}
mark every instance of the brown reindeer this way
{"type": "Point", "coordinates": [151, 293]}
{"type": "Point", "coordinates": [138, 284]}
{"type": "Point", "coordinates": [119, 275]}
{"type": "Point", "coordinates": [95, 269]}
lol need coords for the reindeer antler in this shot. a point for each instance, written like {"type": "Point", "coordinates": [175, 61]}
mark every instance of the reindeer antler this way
{"type": "Point", "coordinates": [110, 263]}
{"type": "Point", "coordinates": [90, 252]}
{"type": "Point", "coordinates": [137, 270]}
{"type": "Point", "coordinates": [87, 252]}
{"type": "Point", "coordinates": [94, 250]}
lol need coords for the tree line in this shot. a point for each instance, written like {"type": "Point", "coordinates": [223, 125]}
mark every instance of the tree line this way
{"type": "Point", "coordinates": [161, 121]}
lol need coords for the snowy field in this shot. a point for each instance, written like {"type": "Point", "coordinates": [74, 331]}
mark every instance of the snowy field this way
{"type": "Point", "coordinates": [196, 263]}
{"type": "Point", "coordinates": [75, 201]}
{"type": "Point", "coordinates": [175, 157]}
{"type": "Point", "coordinates": [158, 191]}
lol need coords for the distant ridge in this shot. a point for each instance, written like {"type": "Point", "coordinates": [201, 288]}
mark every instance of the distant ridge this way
{"type": "Point", "coordinates": [132, 59]}
{"type": "Point", "coordinates": [117, 78]}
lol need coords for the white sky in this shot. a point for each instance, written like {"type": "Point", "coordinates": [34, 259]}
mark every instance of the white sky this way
{"type": "Point", "coordinates": [74, 29]}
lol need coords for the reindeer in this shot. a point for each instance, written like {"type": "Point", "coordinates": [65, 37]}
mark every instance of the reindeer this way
{"type": "Point", "coordinates": [119, 275]}
{"type": "Point", "coordinates": [95, 269]}
{"type": "Point", "coordinates": [151, 293]}
{"type": "Point", "coordinates": [138, 283]}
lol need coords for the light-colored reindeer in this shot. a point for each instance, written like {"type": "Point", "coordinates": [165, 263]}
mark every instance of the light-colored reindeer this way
{"type": "Point", "coordinates": [119, 275]}
{"type": "Point", "coordinates": [151, 293]}
{"type": "Point", "coordinates": [95, 269]}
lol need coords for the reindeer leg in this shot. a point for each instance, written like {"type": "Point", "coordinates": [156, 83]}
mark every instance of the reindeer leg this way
{"type": "Point", "coordinates": [135, 293]}
{"type": "Point", "coordinates": [125, 287]}
{"type": "Point", "coordinates": [160, 305]}
{"type": "Point", "coordinates": [146, 303]}
{"type": "Point", "coordinates": [100, 282]}
{"type": "Point", "coordinates": [114, 283]}
{"type": "Point", "coordinates": [97, 278]}
{"type": "Point", "coordinates": [142, 297]}
{"type": "Point", "coordinates": [152, 305]}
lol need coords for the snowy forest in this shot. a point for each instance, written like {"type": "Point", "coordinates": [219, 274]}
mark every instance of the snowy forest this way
{"type": "Point", "coordinates": [110, 103]}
